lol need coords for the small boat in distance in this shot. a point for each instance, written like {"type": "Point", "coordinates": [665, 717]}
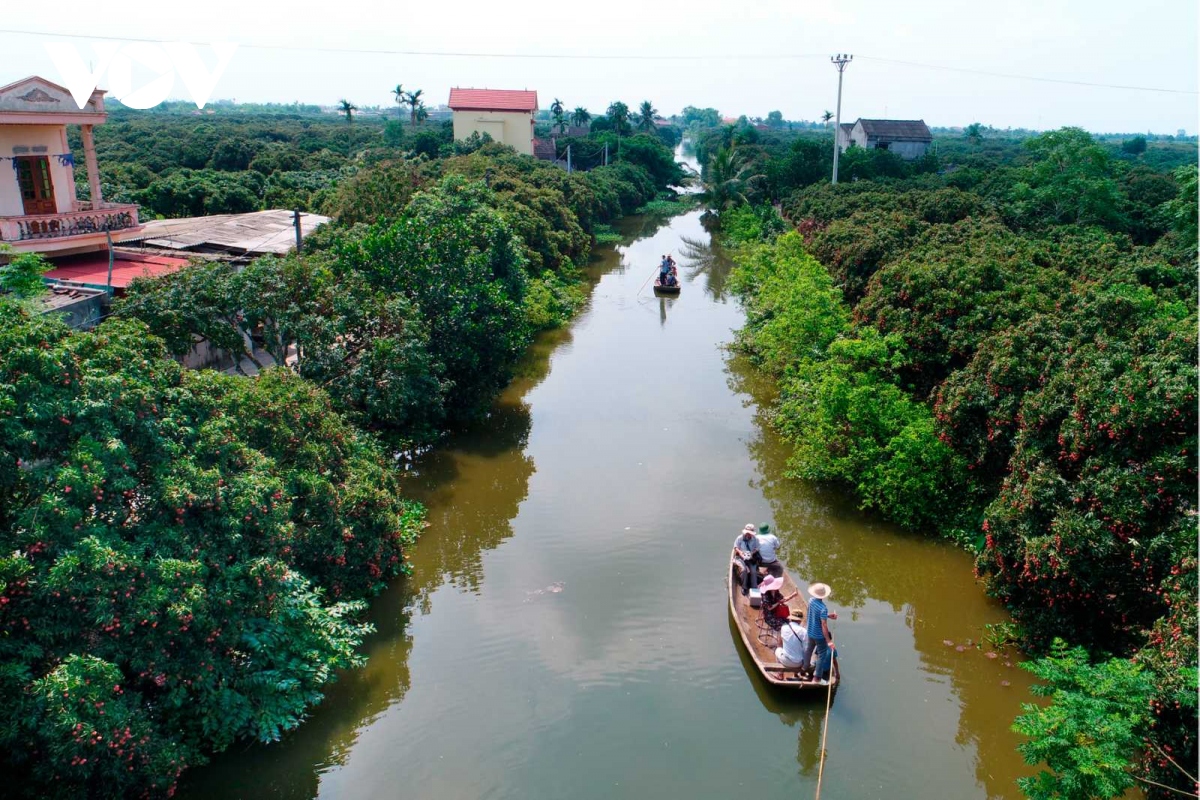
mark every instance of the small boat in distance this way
{"type": "Point", "coordinates": [659, 288]}
{"type": "Point", "coordinates": [757, 639]}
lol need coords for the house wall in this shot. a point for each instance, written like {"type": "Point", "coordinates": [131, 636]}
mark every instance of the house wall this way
{"type": "Point", "coordinates": [843, 139]}
{"type": "Point", "coordinates": [513, 128]}
{"type": "Point", "coordinates": [909, 150]}
{"type": "Point", "coordinates": [47, 140]}
{"type": "Point", "coordinates": [906, 150]}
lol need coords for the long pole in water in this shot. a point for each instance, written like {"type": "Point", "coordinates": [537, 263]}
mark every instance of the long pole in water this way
{"type": "Point", "coordinates": [825, 731]}
{"type": "Point", "coordinates": [643, 286]}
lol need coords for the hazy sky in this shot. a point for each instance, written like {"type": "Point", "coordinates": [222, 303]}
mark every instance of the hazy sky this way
{"type": "Point", "coordinates": [1149, 43]}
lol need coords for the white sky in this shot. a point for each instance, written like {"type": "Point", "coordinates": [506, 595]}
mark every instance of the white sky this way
{"type": "Point", "coordinates": [1129, 42]}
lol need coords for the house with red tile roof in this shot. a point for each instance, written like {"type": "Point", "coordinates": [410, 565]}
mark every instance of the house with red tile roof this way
{"type": "Point", "coordinates": [504, 114]}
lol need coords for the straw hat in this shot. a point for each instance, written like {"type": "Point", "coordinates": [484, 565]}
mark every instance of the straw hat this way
{"type": "Point", "coordinates": [797, 615]}
{"type": "Point", "coordinates": [770, 584]}
{"type": "Point", "coordinates": [820, 590]}
{"type": "Point", "coordinates": [749, 528]}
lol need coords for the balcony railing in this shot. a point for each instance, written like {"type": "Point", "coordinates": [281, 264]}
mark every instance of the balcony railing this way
{"type": "Point", "coordinates": [109, 217]}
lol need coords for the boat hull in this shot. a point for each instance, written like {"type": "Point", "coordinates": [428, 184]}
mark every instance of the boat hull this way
{"type": "Point", "coordinates": [763, 655]}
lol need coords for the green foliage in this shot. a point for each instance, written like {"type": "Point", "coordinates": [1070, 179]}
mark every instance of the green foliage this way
{"type": "Point", "coordinates": [751, 224]}
{"type": "Point", "coordinates": [21, 277]}
{"type": "Point", "coordinates": [793, 310]}
{"type": "Point", "coordinates": [1135, 146]}
{"type": "Point", "coordinates": [458, 261]}
{"type": "Point", "coordinates": [194, 193]}
{"type": "Point", "coordinates": [1070, 181]}
{"type": "Point", "coordinates": [1017, 370]}
{"type": "Point", "coordinates": [376, 193]}
{"type": "Point", "coordinates": [184, 555]}
{"type": "Point", "coordinates": [1095, 719]}
{"type": "Point", "coordinates": [850, 424]}
{"type": "Point", "coordinates": [605, 234]}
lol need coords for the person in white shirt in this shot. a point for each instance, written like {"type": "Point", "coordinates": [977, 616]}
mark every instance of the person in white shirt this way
{"type": "Point", "coordinates": [793, 637]}
{"type": "Point", "coordinates": [768, 543]}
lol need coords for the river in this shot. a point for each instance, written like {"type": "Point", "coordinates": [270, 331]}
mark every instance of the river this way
{"type": "Point", "coordinates": [565, 632]}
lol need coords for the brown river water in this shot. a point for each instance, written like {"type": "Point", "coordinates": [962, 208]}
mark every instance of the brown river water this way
{"type": "Point", "coordinates": [565, 632]}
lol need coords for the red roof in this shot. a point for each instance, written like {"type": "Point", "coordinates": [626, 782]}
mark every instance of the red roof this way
{"type": "Point", "coordinates": [92, 268]}
{"type": "Point", "coordinates": [493, 100]}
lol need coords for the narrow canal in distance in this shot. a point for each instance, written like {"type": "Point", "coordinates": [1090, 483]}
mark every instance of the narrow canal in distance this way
{"type": "Point", "coordinates": [566, 634]}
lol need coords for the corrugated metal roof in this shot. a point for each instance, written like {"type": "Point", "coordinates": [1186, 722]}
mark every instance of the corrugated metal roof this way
{"type": "Point", "coordinates": [252, 233]}
{"type": "Point", "coordinates": [493, 100]}
{"type": "Point", "coordinates": [897, 129]}
{"type": "Point", "coordinates": [92, 268]}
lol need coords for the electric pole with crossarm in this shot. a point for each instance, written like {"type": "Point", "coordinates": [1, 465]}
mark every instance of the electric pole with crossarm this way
{"type": "Point", "coordinates": [840, 61]}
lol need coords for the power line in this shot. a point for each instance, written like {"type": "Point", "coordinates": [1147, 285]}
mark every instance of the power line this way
{"type": "Point", "coordinates": [446, 53]}
{"type": "Point", "coordinates": [613, 57]}
{"type": "Point", "coordinates": [1037, 78]}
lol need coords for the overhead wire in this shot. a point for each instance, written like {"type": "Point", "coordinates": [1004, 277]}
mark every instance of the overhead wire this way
{"type": "Point", "coordinates": [641, 56]}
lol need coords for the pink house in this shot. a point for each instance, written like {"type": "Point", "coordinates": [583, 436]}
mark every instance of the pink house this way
{"type": "Point", "coordinates": [38, 207]}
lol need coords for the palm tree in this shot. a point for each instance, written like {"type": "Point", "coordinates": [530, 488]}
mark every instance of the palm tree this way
{"type": "Point", "coordinates": [398, 92]}
{"type": "Point", "coordinates": [580, 116]}
{"type": "Point", "coordinates": [828, 115]}
{"type": "Point", "coordinates": [556, 111]}
{"type": "Point", "coordinates": [618, 115]}
{"type": "Point", "coordinates": [727, 177]}
{"type": "Point", "coordinates": [348, 109]}
{"type": "Point", "coordinates": [422, 112]}
{"type": "Point", "coordinates": [414, 100]}
{"type": "Point", "coordinates": [646, 114]}
{"type": "Point", "coordinates": [973, 132]}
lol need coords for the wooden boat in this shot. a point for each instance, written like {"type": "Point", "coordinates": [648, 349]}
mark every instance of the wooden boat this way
{"type": "Point", "coordinates": [762, 653]}
{"type": "Point", "coordinates": [665, 290]}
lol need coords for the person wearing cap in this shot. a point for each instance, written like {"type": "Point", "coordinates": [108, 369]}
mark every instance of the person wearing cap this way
{"type": "Point", "coordinates": [793, 637]}
{"type": "Point", "coordinates": [768, 543]}
{"type": "Point", "coordinates": [819, 637]}
{"type": "Point", "coordinates": [746, 545]}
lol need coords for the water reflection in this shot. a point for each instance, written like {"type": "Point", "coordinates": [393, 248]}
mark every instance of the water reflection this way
{"type": "Point", "coordinates": [709, 259]}
{"type": "Point", "coordinates": [803, 711]}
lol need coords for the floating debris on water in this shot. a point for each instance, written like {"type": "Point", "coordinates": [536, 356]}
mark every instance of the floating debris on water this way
{"type": "Point", "coordinates": [992, 655]}
{"type": "Point", "coordinates": [1005, 683]}
{"type": "Point", "coordinates": [553, 588]}
{"type": "Point", "coordinates": [960, 648]}
{"type": "Point", "coordinates": [948, 643]}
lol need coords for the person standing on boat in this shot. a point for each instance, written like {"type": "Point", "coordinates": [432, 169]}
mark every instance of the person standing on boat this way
{"type": "Point", "coordinates": [820, 639]}
{"type": "Point", "coordinates": [768, 543]}
{"type": "Point", "coordinates": [746, 545]}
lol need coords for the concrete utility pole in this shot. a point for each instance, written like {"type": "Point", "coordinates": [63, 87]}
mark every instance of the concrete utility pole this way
{"type": "Point", "coordinates": [839, 61]}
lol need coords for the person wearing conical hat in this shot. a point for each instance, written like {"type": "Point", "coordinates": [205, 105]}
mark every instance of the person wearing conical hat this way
{"type": "Point", "coordinates": [820, 639]}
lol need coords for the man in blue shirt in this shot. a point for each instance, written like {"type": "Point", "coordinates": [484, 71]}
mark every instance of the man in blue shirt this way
{"type": "Point", "coordinates": [746, 545]}
{"type": "Point", "coordinates": [819, 637]}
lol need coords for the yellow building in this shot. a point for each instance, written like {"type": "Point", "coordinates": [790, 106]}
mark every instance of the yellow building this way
{"type": "Point", "coordinates": [504, 114]}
